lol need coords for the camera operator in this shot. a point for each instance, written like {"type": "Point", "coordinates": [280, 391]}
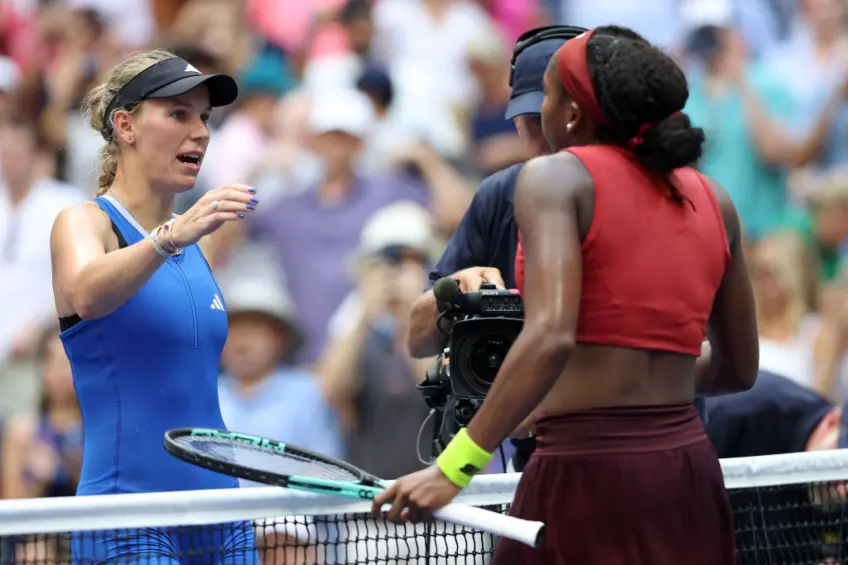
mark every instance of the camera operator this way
{"type": "Point", "coordinates": [482, 250]}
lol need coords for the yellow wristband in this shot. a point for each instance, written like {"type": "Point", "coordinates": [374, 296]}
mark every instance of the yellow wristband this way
{"type": "Point", "coordinates": [462, 459]}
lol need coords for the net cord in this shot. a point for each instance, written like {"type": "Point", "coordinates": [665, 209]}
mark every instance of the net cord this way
{"type": "Point", "coordinates": [106, 512]}
{"type": "Point", "coordinates": [204, 507]}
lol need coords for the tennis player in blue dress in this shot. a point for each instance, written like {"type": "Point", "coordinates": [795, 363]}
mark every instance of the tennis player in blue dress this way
{"type": "Point", "coordinates": [143, 321]}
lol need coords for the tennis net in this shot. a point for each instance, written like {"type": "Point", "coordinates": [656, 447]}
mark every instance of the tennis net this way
{"type": "Point", "coordinates": [788, 509]}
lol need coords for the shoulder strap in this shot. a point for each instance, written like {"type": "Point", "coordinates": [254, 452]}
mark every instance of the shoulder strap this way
{"type": "Point", "coordinates": [104, 204]}
{"type": "Point", "coordinates": [124, 225]}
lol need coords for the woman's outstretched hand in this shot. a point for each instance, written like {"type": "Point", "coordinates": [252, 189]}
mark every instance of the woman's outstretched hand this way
{"type": "Point", "coordinates": [225, 204]}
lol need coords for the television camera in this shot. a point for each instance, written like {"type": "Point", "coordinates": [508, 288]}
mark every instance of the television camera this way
{"type": "Point", "coordinates": [483, 326]}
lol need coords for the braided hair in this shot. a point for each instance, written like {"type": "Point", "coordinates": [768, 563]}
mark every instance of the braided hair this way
{"type": "Point", "coordinates": [636, 85]}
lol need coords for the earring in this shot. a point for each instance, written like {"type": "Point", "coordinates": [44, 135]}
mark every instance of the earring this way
{"type": "Point", "coordinates": [131, 139]}
{"type": "Point", "coordinates": [569, 126]}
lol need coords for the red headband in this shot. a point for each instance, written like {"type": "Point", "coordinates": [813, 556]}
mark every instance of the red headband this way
{"type": "Point", "coordinates": [574, 75]}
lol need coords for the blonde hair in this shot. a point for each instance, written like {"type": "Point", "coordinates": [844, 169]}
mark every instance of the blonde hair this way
{"type": "Point", "coordinates": [98, 99]}
{"type": "Point", "coordinates": [795, 269]}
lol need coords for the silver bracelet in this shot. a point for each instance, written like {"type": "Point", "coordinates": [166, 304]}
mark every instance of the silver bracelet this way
{"type": "Point", "coordinates": [154, 239]}
{"type": "Point", "coordinates": [168, 226]}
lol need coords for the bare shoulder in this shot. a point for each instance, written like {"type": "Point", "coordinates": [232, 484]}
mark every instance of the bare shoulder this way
{"type": "Point", "coordinates": [553, 178]}
{"type": "Point", "coordinates": [84, 217]}
{"type": "Point", "coordinates": [721, 194]}
{"type": "Point", "coordinates": [728, 211]}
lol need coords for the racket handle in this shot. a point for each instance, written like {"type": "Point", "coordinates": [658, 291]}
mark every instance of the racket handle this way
{"type": "Point", "coordinates": [526, 531]}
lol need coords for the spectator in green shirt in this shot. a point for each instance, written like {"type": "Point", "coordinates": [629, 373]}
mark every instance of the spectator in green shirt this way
{"type": "Point", "coordinates": [719, 91]}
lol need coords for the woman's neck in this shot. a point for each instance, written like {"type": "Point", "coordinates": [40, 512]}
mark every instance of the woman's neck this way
{"type": "Point", "coordinates": [717, 84]}
{"type": "Point", "coordinates": [826, 44]}
{"type": "Point", "coordinates": [246, 384]}
{"type": "Point", "coordinates": [336, 186]}
{"type": "Point", "coordinates": [777, 327]}
{"type": "Point", "coordinates": [149, 207]}
{"type": "Point", "coordinates": [19, 189]}
{"type": "Point", "coordinates": [436, 9]}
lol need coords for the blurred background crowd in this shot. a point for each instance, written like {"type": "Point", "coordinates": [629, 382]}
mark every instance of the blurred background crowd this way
{"type": "Point", "coordinates": [366, 126]}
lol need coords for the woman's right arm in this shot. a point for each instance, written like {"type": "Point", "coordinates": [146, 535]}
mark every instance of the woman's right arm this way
{"type": "Point", "coordinates": [731, 361]}
{"type": "Point", "coordinates": [88, 281]}
{"type": "Point", "coordinates": [91, 283]}
{"type": "Point", "coordinates": [15, 446]}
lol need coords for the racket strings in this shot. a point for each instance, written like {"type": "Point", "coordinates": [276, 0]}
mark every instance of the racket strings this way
{"type": "Point", "coordinates": [264, 459]}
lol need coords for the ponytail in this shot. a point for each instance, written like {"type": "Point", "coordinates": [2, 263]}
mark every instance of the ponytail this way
{"type": "Point", "coordinates": [671, 144]}
{"type": "Point", "coordinates": [108, 167]}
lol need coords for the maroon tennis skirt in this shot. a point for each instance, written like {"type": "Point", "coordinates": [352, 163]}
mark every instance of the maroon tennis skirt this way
{"type": "Point", "coordinates": [624, 486]}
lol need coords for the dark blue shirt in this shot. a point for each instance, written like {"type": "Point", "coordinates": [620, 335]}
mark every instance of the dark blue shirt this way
{"type": "Point", "coordinates": [488, 234]}
{"type": "Point", "coordinates": [775, 416]}
{"type": "Point", "coordinates": [488, 237]}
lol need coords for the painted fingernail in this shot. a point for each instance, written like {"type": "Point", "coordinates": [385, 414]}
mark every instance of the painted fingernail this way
{"type": "Point", "coordinates": [240, 215]}
{"type": "Point", "coordinates": [251, 190]}
{"type": "Point", "coordinates": [250, 207]}
{"type": "Point", "coordinates": [254, 199]}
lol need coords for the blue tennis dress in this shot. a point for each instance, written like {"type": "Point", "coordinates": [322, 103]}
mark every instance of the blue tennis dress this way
{"type": "Point", "coordinates": [149, 366]}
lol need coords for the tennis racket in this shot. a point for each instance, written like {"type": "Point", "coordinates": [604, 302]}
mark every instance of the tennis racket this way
{"type": "Point", "coordinates": [279, 464]}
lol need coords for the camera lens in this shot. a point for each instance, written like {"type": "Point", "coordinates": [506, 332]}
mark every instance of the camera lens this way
{"type": "Point", "coordinates": [486, 358]}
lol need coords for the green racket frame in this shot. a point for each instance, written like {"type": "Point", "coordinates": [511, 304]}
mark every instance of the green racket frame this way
{"type": "Point", "coordinates": [365, 488]}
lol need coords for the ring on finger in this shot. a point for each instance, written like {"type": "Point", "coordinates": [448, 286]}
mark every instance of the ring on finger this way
{"type": "Point", "coordinates": [214, 204]}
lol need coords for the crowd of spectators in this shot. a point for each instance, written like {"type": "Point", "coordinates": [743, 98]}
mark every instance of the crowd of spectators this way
{"type": "Point", "coordinates": [366, 126]}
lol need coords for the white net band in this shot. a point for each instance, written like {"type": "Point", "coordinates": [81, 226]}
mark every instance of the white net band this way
{"type": "Point", "coordinates": [46, 515]}
{"type": "Point", "coordinates": [787, 509]}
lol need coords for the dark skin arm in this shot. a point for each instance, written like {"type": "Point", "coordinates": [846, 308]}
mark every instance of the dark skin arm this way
{"type": "Point", "coordinates": [546, 211]}
{"type": "Point", "coordinates": [731, 361]}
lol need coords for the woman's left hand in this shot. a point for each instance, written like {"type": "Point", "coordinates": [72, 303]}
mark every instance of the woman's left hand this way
{"type": "Point", "coordinates": [414, 497]}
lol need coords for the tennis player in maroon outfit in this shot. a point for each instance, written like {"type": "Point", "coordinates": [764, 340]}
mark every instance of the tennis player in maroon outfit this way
{"type": "Point", "coordinates": [627, 256]}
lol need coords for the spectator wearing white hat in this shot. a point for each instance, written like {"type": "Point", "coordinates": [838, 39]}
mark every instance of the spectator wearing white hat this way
{"type": "Point", "coordinates": [260, 392]}
{"type": "Point", "coordinates": [312, 231]}
{"type": "Point", "coordinates": [365, 370]}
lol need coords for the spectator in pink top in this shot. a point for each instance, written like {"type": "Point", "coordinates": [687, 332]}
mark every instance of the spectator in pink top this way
{"type": "Point", "coordinates": [514, 17]}
{"type": "Point", "coordinates": [289, 24]}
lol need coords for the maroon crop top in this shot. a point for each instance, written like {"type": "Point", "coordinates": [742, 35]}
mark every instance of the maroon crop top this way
{"type": "Point", "coordinates": [651, 266]}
